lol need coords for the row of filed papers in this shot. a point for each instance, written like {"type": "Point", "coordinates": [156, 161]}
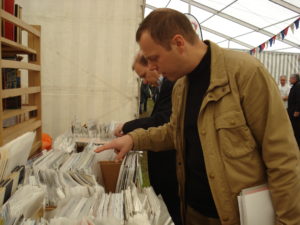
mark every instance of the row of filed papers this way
{"type": "Point", "coordinates": [78, 174]}
{"type": "Point", "coordinates": [66, 174]}
{"type": "Point", "coordinates": [132, 206]}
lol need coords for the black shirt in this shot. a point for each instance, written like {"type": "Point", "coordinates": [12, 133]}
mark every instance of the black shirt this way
{"type": "Point", "coordinates": [198, 193]}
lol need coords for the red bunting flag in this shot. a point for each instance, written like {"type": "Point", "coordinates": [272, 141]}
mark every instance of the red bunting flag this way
{"type": "Point", "coordinates": [285, 31]}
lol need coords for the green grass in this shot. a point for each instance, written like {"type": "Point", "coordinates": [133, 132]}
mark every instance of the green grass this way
{"type": "Point", "coordinates": [144, 163]}
{"type": "Point", "coordinates": [146, 182]}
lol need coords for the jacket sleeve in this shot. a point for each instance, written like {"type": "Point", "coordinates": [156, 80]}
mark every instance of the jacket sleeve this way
{"type": "Point", "coordinates": [270, 125]}
{"type": "Point", "coordinates": [161, 113]}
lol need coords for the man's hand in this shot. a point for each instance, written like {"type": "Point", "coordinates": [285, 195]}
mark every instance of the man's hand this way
{"type": "Point", "coordinates": [118, 130]}
{"type": "Point", "coordinates": [121, 145]}
{"type": "Point", "coordinates": [296, 114]}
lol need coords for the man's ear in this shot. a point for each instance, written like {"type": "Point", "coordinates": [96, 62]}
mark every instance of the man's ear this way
{"type": "Point", "coordinates": [178, 40]}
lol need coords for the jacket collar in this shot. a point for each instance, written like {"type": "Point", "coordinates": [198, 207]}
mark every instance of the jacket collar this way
{"type": "Point", "coordinates": [218, 86]}
{"type": "Point", "coordinates": [218, 76]}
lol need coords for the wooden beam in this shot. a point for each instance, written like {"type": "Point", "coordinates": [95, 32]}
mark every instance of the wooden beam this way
{"type": "Point", "coordinates": [6, 93]}
{"type": "Point", "coordinates": [20, 65]}
{"type": "Point", "coordinates": [9, 17]}
{"type": "Point", "coordinates": [13, 132]}
{"type": "Point", "coordinates": [16, 47]}
{"type": "Point", "coordinates": [8, 113]}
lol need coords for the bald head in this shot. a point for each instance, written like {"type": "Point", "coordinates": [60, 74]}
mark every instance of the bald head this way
{"type": "Point", "coordinates": [140, 66]}
{"type": "Point", "coordinates": [139, 59]}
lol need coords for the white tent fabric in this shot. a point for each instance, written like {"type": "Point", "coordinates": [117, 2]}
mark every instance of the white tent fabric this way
{"type": "Point", "coordinates": [88, 47]}
{"type": "Point", "coordinates": [280, 63]}
{"type": "Point", "coordinates": [241, 24]}
{"type": "Point", "coordinates": [87, 51]}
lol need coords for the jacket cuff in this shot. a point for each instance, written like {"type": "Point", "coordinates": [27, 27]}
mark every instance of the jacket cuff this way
{"type": "Point", "coordinates": [135, 139]}
{"type": "Point", "coordinates": [137, 135]}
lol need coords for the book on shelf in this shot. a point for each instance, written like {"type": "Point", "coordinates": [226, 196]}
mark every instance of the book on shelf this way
{"type": "Point", "coordinates": [11, 79]}
{"type": "Point", "coordinates": [17, 30]}
{"type": "Point", "coordinates": [8, 30]}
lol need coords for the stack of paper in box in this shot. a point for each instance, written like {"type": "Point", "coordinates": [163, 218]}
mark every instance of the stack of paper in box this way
{"type": "Point", "coordinates": [82, 203]}
{"type": "Point", "coordinates": [69, 183]}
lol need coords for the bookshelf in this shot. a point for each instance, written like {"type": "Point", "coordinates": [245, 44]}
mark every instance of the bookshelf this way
{"type": "Point", "coordinates": [26, 58]}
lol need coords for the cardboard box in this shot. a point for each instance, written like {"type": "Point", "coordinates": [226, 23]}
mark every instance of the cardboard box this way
{"type": "Point", "coordinates": [110, 173]}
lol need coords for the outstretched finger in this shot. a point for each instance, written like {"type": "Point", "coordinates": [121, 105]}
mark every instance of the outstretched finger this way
{"type": "Point", "coordinates": [120, 156]}
{"type": "Point", "coordinates": [104, 147]}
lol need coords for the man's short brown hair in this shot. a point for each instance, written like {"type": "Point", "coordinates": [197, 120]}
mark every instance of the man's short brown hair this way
{"type": "Point", "coordinates": [163, 24]}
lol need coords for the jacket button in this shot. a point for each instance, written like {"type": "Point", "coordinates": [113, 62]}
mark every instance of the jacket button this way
{"type": "Point", "coordinates": [203, 132]}
{"type": "Point", "coordinates": [225, 219]}
{"type": "Point", "coordinates": [211, 176]}
{"type": "Point", "coordinates": [232, 122]}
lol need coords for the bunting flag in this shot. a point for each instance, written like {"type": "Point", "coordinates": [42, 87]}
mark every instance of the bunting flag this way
{"type": "Point", "coordinates": [272, 41]}
{"type": "Point", "coordinates": [284, 32]}
{"type": "Point", "coordinates": [280, 36]}
{"type": "Point", "coordinates": [292, 27]}
{"type": "Point", "coordinates": [297, 23]}
{"type": "Point", "coordinates": [261, 47]}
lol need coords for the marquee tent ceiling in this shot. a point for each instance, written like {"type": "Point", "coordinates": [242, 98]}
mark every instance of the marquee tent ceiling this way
{"type": "Point", "coordinates": [242, 24]}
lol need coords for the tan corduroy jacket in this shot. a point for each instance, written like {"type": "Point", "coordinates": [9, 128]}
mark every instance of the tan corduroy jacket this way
{"type": "Point", "coordinates": [245, 133]}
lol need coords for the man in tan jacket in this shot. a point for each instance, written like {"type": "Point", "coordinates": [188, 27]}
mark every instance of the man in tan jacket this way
{"type": "Point", "coordinates": [228, 125]}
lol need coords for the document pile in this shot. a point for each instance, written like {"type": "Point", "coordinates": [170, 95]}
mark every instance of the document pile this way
{"type": "Point", "coordinates": [13, 157]}
{"type": "Point", "coordinates": [65, 187]}
{"type": "Point", "coordinates": [255, 206]}
{"type": "Point", "coordinates": [98, 133]}
{"type": "Point", "coordinates": [65, 142]}
{"type": "Point", "coordinates": [25, 203]}
{"type": "Point", "coordinates": [63, 174]}
{"type": "Point", "coordinates": [80, 135]}
{"type": "Point", "coordinates": [130, 172]}
{"type": "Point", "coordinates": [131, 206]}
{"type": "Point", "coordinates": [15, 153]}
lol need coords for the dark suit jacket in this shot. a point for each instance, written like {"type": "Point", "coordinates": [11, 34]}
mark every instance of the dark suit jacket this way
{"type": "Point", "coordinates": [294, 99]}
{"type": "Point", "coordinates": [294, 106]}
{"type": "Point", "coordinates": [161, 165]}
{"type": "Point", "coordinates": [161, 112]}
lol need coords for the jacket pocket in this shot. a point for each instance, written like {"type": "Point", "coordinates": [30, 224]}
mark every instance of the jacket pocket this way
{"type": "Point", "coordinates": [234, 136]}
